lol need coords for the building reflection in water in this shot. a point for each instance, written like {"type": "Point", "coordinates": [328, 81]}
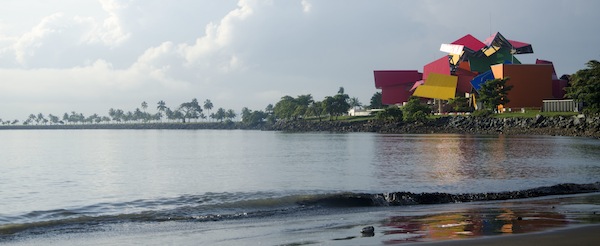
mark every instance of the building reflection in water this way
{"type": "Point", "coordinates": [469, 223]}
{"type": "Point", "coordinates": [465, 161]}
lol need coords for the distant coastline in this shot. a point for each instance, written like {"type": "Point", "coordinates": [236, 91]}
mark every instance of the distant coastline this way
{"type": "Point", "coordinates": [540, 125]}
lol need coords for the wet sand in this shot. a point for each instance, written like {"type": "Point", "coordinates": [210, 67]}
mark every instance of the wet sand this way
{"type": "Point", "coordinates": [558, 220]}
{"type": "Point", "coordinates": [580, 235]}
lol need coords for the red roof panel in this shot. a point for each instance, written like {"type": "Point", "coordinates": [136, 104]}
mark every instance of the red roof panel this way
{"type": "Point", "coordinates": [470, 42]}
{"type": "Point", "coordinates": [441, 66]}
{"type": "Point", "coordinates": [517, 44]}
{"type": "Point", "coordinates": [387, 78]}
{"type": "Point", "coordinates": [395, 94]}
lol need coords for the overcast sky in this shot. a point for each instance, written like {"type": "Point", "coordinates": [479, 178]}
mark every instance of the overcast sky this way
{"type": "Point", "coordinates": [88, 56]}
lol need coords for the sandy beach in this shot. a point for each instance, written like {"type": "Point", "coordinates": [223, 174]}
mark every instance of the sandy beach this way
{"type": "Point", "coordinates": [558, 220]}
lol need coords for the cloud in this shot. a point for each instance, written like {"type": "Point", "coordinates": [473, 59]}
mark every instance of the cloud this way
{"type": "Point", "coordinates": [217, 37]}
{"type": "Point", "coordinates": [26, 45]}
{"type": "Point", "coordinates": [306, 6]}
{"type": "Point", "coordinates": [246, 53]}
{"type": "Point", "coordinates": [111, 32]}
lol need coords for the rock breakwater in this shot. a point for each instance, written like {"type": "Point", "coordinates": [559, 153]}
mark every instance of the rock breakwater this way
{"type": "Point", "coordinates": [540, 125]}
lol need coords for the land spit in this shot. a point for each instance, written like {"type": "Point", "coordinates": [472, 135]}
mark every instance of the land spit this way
{"type": "Point", "coordinates": [581, 125]}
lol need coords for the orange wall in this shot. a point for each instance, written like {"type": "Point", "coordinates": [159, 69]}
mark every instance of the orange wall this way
{"type": "Point", "coordinates": [531, 83]}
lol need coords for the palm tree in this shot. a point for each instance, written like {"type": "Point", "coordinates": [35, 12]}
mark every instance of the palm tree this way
{"type": "Point", "coordinates": [220, 115]}
{"type": "Point", "coordinates": [355, 103]}
{"type": "Point", "coordinates": [65, 118]}
{"type": "Point", "coordinates": [269, 109]}
{"type": "Point", "coordinates": [53, 118]}
{"type": "Point", "coordinates": [31, 118]}
{"type": "Point", "coordinates": [208, 105]}
{"type": "Point", "coordinates": [40, 117]}
{"type": "Point", "coordinates": [230, 114]}
{"type": "Point", "coordinates": [169, 113]}
{"type": "Point", "coordinates": [144, 105]}
{"type": "Point", "coordinates": [161, 108]}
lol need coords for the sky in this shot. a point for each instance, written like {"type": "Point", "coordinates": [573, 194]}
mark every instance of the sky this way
{"type": "Point", "coordinates": [89, 56]}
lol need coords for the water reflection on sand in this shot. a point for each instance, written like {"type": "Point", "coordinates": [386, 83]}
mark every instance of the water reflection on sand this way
{"type": "Point", "coordinates": [484, 220]}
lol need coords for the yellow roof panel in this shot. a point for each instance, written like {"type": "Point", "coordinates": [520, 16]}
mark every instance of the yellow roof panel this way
{"type": "Point", "coordinates": [438, 86]}
{"type": "Point", "coordinates": [455, 58]}
{"type": "Point", "coordinates": [491, 50]}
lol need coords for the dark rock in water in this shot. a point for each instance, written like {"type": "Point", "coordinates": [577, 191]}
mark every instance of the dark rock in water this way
{"type": "Point", "coordinates": [368, 231]}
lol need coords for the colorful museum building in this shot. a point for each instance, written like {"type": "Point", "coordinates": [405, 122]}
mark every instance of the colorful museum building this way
{"type": "Point", "coordinates": [468, 64]}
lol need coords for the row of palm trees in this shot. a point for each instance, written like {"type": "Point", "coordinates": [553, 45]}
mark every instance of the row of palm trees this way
{"type": "Point", "coordinates": [185, 112]}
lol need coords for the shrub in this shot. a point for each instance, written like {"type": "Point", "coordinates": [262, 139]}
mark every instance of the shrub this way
{"type": "Point", "coordinates": [392, 114]}
{"type": "Point", "coordinates": [414, 111]}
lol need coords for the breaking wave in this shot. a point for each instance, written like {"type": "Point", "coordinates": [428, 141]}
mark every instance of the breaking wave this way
{"type": "Point", "coordinates": [230, 206]}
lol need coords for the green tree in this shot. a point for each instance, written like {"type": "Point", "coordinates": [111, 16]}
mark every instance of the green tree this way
{"type": "Point", "coordinates": [336, 105]}
{"type": "Point", "coordinates": [75, 117]}
{"type": "Point", "coordinates": [585, 87]}
{"type": "Point", "coordinates": [230, 114]}
{"type": "Point", "coordinates": [40, 118]}
{"type": "Point", "coordinates": [304, 100]}
{"type": "Point", "coordinates": [65, 118]}
{"type": "Point", "coordinates": [208, 105]}
{"type": "Point", "coordinates": [119, 115]}
{"type": "Point", "coordinates": [415, 111]}
{"type": "Point", "coordinates": [270, 116]}
{"type": "Point", "coordinates": [170, 114]}
{"type": "Point", "coordinates": [190, 110]}
{"type": "Point", "coordinates": [354, 102]}
{"type": "Point", "coordinates": [220, 114]}
{"type": "Point", "coordinates": [302, 103]}
{"type": "Point", "coordinates": [111, 113]}
{"type": "Point", "coordinates": [138, 115]}
{"type": "Point", "coordinates": [269, 109]}
{"type": "Point", "coordinates": [315, 109]}
{"type": "Point", "coordinates": [494, 93]}
{"type": "Point", "coordinates": [285, 108]}
{"type": "Point", "coordinates": [390, 114]}
{"type": "Point", "coordinates": [30, 119]}
{"type": "Point", "coordinates": [376, 101]}
{"type": "Point", "coordinates": [177, 114]}
{"type": "Point", "coordinates": [253, 118]}
{"type": "Point", "coordinates": [459, 104]}
{"type": "Point", "coordinates": [162, 106]}
{"type": "Point", "coordinates": [54, 119]}
{"type": "Point", "coordinates": [144, 106]}
{"type": "Point", "coordinates": [246, 114]}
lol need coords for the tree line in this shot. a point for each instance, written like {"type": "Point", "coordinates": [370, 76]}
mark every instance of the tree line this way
{"type": "Point", "coordinates": [301, 107]}
{"type": "Point", "coordinates": [185, 112]}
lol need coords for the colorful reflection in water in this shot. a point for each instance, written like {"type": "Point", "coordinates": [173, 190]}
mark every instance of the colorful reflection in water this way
{"type": "Point", "coordinates": [470, 223]}
{"type": "Point", "coordinates": [485, 220]}
{"type": "Point", "coordinates": [467, 163]}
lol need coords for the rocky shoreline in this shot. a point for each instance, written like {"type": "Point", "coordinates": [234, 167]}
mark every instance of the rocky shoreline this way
{"type": "Point", "coordinates": [587, 126]}
{"type": "Point", "coordinates": [540, 125]}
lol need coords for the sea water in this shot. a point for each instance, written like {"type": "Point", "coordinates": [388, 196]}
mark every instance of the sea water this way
{"type": "Point", "coordinates": [56, 183]}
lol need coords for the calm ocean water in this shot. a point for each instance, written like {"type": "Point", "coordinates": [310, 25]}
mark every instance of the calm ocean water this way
{"type": "Point", "coordinates": [54, 180]}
